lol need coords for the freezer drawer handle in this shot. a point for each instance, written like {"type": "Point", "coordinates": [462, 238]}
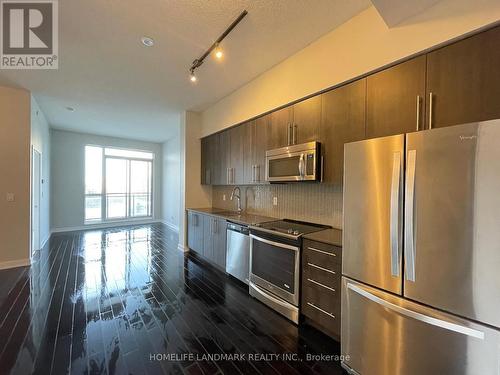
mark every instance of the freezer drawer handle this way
{"type": "Point", "coordinates": [395, 216]}
{"type": "Point", "coordinates": [418, 316]}
{"type": "Point", "coordinates": [410, 247]}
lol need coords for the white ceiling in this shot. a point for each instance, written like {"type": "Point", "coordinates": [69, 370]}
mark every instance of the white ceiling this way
{"type": "Point", "coordinates": [121, 88]}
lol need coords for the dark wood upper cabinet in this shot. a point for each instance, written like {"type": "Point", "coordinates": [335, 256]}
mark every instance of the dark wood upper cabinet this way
{"type": "Point", "coordinates": [391, 99]}
{"type": "Point", "coordinates": [222, 155]}
{"type": "Point", "coordinates": [260, 148]}
{"type": "Point", "coordinates": [342, 121]}
{"type": "Point", "coordinates": [455, 84]}
{"type": "Point", "coordinates": [254, 149]}
{"type": "Point", "coordinates": [279, 128]}
{"type": "Point", "coordinates": [209, 160]}
{"type": "Point", "coordinates": [464, 79]}
{"type": "Point", "coordinates": [306, 120]}
{"type": "Point", "coordinates": [235, 160]}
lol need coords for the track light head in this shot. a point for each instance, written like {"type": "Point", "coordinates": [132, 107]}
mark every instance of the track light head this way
{"type": "Point", "coordinates": [218, 52]}
{"type": "Point", "coordinates": [192, 76]}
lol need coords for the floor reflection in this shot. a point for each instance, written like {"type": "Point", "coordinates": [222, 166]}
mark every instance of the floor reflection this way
{"type": "Point", "coordinates": [105, 301]}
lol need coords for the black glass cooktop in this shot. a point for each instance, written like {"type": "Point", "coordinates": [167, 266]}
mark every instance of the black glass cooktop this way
{"type": "Point", "coordinates": [292, 227]}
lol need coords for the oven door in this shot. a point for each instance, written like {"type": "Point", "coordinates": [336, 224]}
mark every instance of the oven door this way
{"type": "Point", "coordinates": [275, 267]}
{"type": "Point", "coordinates": [295, 166]}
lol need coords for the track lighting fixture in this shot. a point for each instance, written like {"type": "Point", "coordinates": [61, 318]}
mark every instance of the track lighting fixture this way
{"type": "Point", "coordinates": [214, 47]}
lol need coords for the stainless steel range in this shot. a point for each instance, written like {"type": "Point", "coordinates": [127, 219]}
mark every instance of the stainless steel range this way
{"type": "Point", "coordinates": [275, 264]}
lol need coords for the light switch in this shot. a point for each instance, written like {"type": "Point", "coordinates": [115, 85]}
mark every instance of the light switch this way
{"type": "Point", "coordinates": [11, 197]}
{"type": "Point", "coordinates": [275, 201]}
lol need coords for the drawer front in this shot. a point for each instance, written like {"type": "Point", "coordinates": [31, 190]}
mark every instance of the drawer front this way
{"type": "Point", "coordinates": [329, 261]}
{"type": "Point", "coordinates": [322, 247]}
{"type": "Point", "coordinates": [323, 307]}
{"type": "Point", "coordinates": [318, 273]}
{"type": "Point", "coordinates": [321, 296]}
{"type": "Point", "coordinates": [327, 256]}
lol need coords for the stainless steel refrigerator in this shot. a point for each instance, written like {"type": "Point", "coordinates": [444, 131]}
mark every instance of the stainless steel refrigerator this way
{"type": "Point", "coordinates": [421, 253]}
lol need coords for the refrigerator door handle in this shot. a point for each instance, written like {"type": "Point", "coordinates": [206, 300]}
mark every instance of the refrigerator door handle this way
{"type": "Point", "coordinates": [410, 248]}
{"type": "Point", "coordinates": [395, 218]}
{"type": "Point", "coordinates": [416, 315]}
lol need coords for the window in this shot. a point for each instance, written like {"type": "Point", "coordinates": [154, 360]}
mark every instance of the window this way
{"type": "Point", "coordinates": [117, 184]}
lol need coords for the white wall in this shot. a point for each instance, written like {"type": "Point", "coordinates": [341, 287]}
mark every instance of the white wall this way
{"type": "Point", "coordinates": [193, 193]}
{"type": "Point", "coordinates": [171, 180]}
{"type": "Point", "coordinates": [14, 177]}
{"type": "Point", "coordinates": [40, 140]}
{"type": "Point", "coordinates": [68, 174]}
{"type": "Point", "coordinates": [357, 47]}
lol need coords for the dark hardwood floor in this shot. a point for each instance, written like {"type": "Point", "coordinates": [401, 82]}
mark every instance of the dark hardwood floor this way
{"type": "Point", "coordinates": [126, 301]}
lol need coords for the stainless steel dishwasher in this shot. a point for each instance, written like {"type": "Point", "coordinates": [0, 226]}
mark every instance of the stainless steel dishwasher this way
{"type": "Point", "coordinates": [238, 252]}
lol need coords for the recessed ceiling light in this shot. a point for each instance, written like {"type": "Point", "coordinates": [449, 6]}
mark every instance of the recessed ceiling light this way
{"type": "Point", "coordinates": [147, 41]}
{"type": "Point", "coordinates": [71, 109]}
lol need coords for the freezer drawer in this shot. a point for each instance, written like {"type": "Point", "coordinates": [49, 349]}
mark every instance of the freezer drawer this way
{"type": "Point", "coordinates": [385, 334]}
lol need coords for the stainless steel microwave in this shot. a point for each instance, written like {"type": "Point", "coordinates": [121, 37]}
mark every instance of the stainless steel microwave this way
{"type": "Point", "coordinates": [294, 163]}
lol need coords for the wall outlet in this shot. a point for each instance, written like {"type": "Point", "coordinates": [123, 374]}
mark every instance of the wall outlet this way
{"type": "Point", "coordinates": [223, 197]}
{"type": "Point", "coordinates": [275, 201]}
{"type": "Point", "coordinates": [10, 197]}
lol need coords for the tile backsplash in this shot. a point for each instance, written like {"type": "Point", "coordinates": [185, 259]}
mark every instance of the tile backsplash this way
{"type": "Point", "coordinates": [317, 203]}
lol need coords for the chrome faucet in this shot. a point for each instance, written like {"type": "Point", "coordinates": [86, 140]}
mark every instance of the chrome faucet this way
{"type": "Point", "coordinates": [238, 196]}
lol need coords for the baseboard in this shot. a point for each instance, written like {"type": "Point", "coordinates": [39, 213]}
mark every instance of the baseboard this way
{"type": "Point", "coordinates": [182, 248]}
{"type": "Point", "coordinates": [104, 225]}
{"type": "Point", "coordinates": [14, 264]}
{"type": "Point", "coordinates": [171, 226]}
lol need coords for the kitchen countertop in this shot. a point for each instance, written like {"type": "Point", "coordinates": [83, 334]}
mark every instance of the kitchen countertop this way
{"type": "Point", "coordinates": [329, 236]}
{"type": "Point", "coordinates": [244, 218]}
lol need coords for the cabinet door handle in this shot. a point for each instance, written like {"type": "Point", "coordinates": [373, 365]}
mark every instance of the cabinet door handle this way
{"type": "Point", "coordinates": [322, 178]}
{"type": "Point", "coordinates": [321, 251]}
{"type": "Point", "coordinates": [227, 176]}
{"type": "Point", "coordinates": [430, 109]}
{"type": "Point", "coordinates": [288, 134]}
{"type": "Point", "coordinates": [321, 285]}
{"type": "Point", "coordinates": [257, 178]}
{"type": "Point", "coordinates": [294, 134]}
{"type": "Point", "coordinates": [419, 99]}
{"type": "Point", "coordinates": [320, 309]}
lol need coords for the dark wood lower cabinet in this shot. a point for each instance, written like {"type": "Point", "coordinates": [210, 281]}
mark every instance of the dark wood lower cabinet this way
{"type": "Point", "coordinates": [207, 237]}
{"type": "Point", "coordinates": [195, 232]}
{"type": "Point", "coordinates": [321, 276]}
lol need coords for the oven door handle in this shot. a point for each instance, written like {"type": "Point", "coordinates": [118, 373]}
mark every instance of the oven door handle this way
{"type": "Point", "coordinates": [273, 243]}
